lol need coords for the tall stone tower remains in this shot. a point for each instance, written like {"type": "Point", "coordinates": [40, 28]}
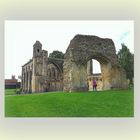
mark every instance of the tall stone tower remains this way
{"type": "Point", "coordinates": [39, 67]}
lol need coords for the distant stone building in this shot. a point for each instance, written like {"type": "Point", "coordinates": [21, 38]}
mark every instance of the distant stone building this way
{"type": "Point", "coordinates": [41, 73]}
{"type": "Point", "coordinates": [12, 83]}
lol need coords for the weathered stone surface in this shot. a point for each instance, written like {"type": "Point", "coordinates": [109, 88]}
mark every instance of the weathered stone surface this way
{"type": "Point", "coordinates": [83, 48]}
{"type": "Point", "coordinates": [48, 74]}
{"type": "Point", "coordinates": [35, 73]}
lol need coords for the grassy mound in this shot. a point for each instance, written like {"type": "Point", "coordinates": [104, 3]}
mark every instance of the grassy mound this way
{"type": "Point", "coordinates": [113, 103]}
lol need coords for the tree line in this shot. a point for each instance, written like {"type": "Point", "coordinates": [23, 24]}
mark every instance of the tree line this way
{"type": "Point", "coordinates": [126, 60]}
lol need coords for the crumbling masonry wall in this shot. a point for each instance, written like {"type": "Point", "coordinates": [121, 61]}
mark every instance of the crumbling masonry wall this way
{"type": "Point", "coordinates": [83, 48]}
{"type": "Point", "coordinates": [41, 74]}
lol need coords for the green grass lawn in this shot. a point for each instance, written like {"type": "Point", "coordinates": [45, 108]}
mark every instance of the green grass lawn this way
{"type": "Point", "coordinates": [10, 91]}
{"type": "Point", "coordinates": [112, 103]}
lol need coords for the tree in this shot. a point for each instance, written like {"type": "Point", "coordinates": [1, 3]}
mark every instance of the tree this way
{"type": "Point", "coordinates": [56, 54]}
{"type": "Point", "coordinates": [126, 60]}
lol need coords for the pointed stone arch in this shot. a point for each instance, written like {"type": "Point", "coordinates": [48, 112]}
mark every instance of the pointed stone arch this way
{"type": "Point", "coordinates": [83, 48]}
{"type": "Point", "coordinates": [54, 77]}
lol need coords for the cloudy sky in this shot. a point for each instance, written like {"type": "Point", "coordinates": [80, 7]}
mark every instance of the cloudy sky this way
{"type": "Point", "coordinates": [56, 35]}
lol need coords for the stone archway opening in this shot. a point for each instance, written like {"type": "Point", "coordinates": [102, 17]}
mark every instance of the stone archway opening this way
{"type": "Point", "coordinates": [105, 76]}
{"type": "Point", "coordinates": [96, 64]}
{"type": "Point", "coordinates": [82, 49]}
{"type": "Point", "coordinates": [94, 72]}
{"type": "Point", "coordinates": [54, 81]}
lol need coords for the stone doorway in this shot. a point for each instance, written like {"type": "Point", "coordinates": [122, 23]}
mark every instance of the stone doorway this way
{"type": "Point", "coordinates": [83, 48]}
{"type": "Point", "coordinates": [94, 72]}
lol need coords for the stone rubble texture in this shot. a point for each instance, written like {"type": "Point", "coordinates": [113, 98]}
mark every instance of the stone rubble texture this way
{"type": "Point", "coordinates": [82, 49]}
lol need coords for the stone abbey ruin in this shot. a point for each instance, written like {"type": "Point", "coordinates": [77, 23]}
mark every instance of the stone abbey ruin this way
{"type": "Point", "coordinates": [73, 73]}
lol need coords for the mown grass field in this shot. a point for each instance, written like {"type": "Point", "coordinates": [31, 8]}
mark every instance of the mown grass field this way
{"type": "Point", "coordinates": [10, 91]}
{"type": "Point", "coordinates": [112, 103]}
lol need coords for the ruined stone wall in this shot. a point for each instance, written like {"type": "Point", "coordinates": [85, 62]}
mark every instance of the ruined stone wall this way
{"type": "Point", "coordinates": [35, 76]}
{"type": "Point", "coordinates": [98, 78]}
{"type": "Point", "coordinates": [26, 82]}
{"type": "Point", "coordinates": [44, 74]}
{"type": "Point", "coordinates": [83, 48]}
{"type": "Point", "coordinates": [54, 78]}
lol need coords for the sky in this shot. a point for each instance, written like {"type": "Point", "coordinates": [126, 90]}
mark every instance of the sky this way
{"type": "Point", "coordinates": [20, 35]}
